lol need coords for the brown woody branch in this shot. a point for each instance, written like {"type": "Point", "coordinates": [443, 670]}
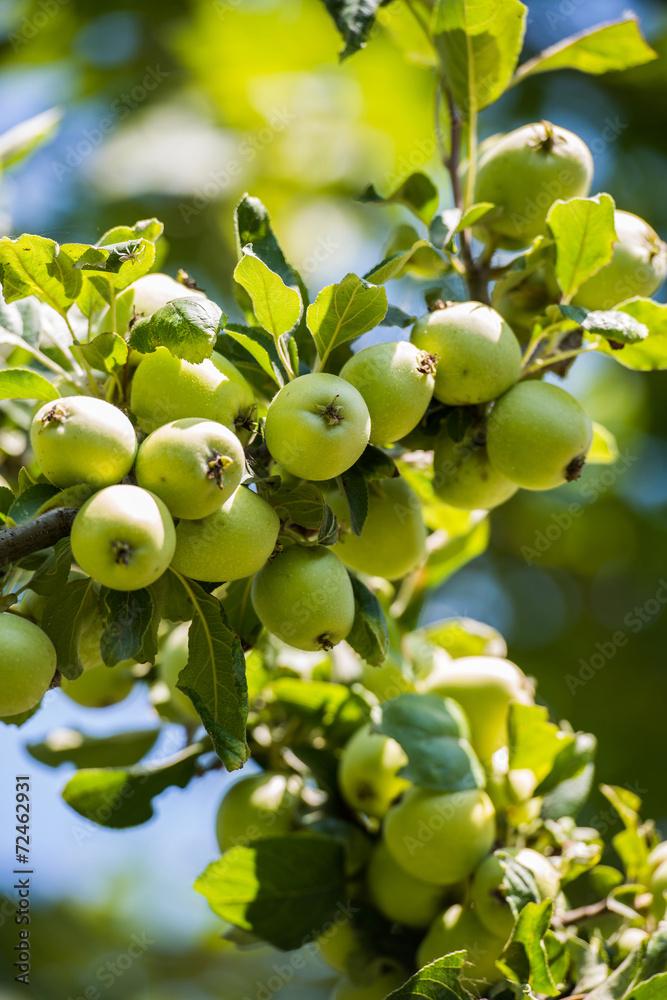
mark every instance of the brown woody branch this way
{"type": "Point", "coordinates": [44, 531]}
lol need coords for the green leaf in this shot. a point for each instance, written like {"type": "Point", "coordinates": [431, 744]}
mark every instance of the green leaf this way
{"type": "Point", "coordinates": [445, 559]}
{"type": "Point", "coordinates": [525, 958]}
{"type": "Point", "coordinates": [369, 636]}
{"type": "Point", "coordinates": [616, 45]}
{"type": "Point", "coordinates": [328, 533]}
{"type": "Point", "coordinates": [303, 505]}
{"type": "Point", "coordinates": [354, 486]}
{"type": "Point", "coordinates": [433, 734]}
{"type": "Point", "coordinates": [441, 980]}
{"type": "Point", "coordinates": [320, 706]}
{"type": "Point", "coordinates": [66, 613]}
{"type": "Point", "coordinates": [396, 317]}
{"type": "Point", "coordinates": [604, 449]}
{"type": "Point", "coordinates": [583, 230]}
{"type": "Point", "coordinates": [639, 968]}
{"type": "Point", "coordinates": [214, 678]}
{"type": "Point", "coordinates": [6, 499]}
{"type": "Point", "coordinates": [52, 574]}
{"type": "Point", "coordinates": [19, 141]}
{"type": "Point", "coordinates": [74, 747]}
{"type": "Point", "coordinates": [654, 988]}
{"type": "Point", "coordinates": [534, 742]}
{"type": "Point", "coordinates": [240, 611]}
{"type": "Point", "coordinates": [463, 637]}
{"type": "Point", "coordinates": [34, 265]}
{"type": "Point", "coordinates": [73, 496]}
{"type": "Point", "coordinates": [106, 352]}
{"type": "Point", "coordinates": [518, 885]}
{"type": "Point", "coordinates": [570, 795]}
{"type": "Point", "coordinates": [479, 42]}
{"type": "Point", "coordinates": [571, 758]}
{"type": "Point", "coordinates": [354, 20]}
{"type": "Point", "coordinates": [128, 616]}
{"type": "Point", "coordinates": [417, 192]}
{"type": "Point", "coordinates": [113, 268]}
{"type": "Point", "coordinates": [188, 327]}
{"type": "Point", "coordinates": [616, 327]}
{"type": "Point", "coordinates": [276, 305]}
{"type": "Point", "coordinates": [30, 500]}
{"type": "Point", "coordinates": [21, 383]}
{"type": "Point", "coordinates": [650, 354]}
{"type": "Point", "coordinates": [283, 889]}
{"type": "Point", "coordinates": [122, 797]}
{"type": "Point", "coordinates": [375, 464]}
{"type": "Point", "coordinates": [344, 311]}
{"type": "Point", "coordinates": [260, 346]}
{"type": "Point", "coordinates": [147, 229]}
{"type": "Point", "coordinates": [393, 265]}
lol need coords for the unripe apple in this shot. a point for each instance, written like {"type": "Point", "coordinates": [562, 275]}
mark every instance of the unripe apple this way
{"type": "Point", "coordinates": [386, 681]}
{"type": "Point", "coordinates": [261, 805]}
{"type": "Point", "coordinates": [377, 989]}
{"type": "Point", "coordinates": [478, 355]}
{"type": "Point", "coordinates": [524, 172]}
{"type": "Point", "coordinates": [173, 658]}
{"type": "Point", "coordinates": [338, 944]}
{"type": "Point", "coordinates": [165, 388]}
{"type": "Point", "coordinates": [304, 596]}
{"type": "Point", "coordinates": [123, 537]}
{"type": "Point", "coordinates": [100, 687]}
{"type": "Point", "coordinates": [659, 888]}
{"type": "Point", "coordinates": [193, 465]}
{"type": "Point", "coordinates": [484, 686]}
{"type": "Point", "coordinates": [458, 929]}
{"type": "Point", "coordinates": [317, 426]}
{"type": "Point", "coordinates": [464, 477]}
{"type": "Point", "coordinates": [368, 772]}
{"type": "Point", "coordinates": [231, 543]}
{"type": "Point", "coordinates": [538, 436]}
{"type": "Point", "coordinates": [396, 380]}
{"type": "Point", "coordinates": [487, 897]}
{"type": "Point", "coordinates": [397, 895]}
{"type": "Point", "coordinates": [153, 291]}
{"type": "Point", "coordinates": [27, 664]}
{"type": "Point", "coordinates": [393, 539]}
{"type": "Point", "coordinates": [638, 266]}
{"type": "Point", "coordinates": [82, 439]}
{"type": "Point", "coordinates": [440, 837]}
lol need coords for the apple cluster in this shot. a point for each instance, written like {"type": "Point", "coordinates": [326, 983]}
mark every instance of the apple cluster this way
{"type": "Point", "coordinates": [439, 867]}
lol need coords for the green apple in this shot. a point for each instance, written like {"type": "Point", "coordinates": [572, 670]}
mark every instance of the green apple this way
{"type": "Point", "coordinates": [261, 805]}
{"type": "Point", "coordinates": [155, 290]}
{"type": "Point", "coordinates": [377, 989]}
{"type": "Point", "coordinates": [368, 775]}
{"type": "Point", "coordinates": [317, 426]}
{"type": "Point", "coordinates": [100, 687]}
{"type": "Point", "coordinates": [487, 895]}
{"type": "Point", "coordinates": [484, 686]}
{"type": "Point", "coordinates": [82, 439]}
{"type": "Point", "coordinates": [478, 355]}
{"type": "Point", "coordinates": [464, 477]}
{"type": "Point", "coordinates": [32, 605]}
{"type": "Point", "coordinates": [523, 173]}
{"type": "Point", "coordinates": [659, 888]}
{"type": "Point", "coordinates": [440, 837]}
{"type": "Point", "coordinates": [193, 465]}
{"type": "Point", "coordinates": [338, 944]}
{"type": "Point", "coordinates": [387, 680]}
{"type": "Point", "coordinates": [523, 301]}
{"type": "Point", "coordinates": [638, 266]}
{"type": "Point", "coordinates": [396, 380]}
{"type": "Point", "coordinates": [538, 436]}
{"type": "Point", "coordinates": [173, 658]}
{"type": "Point", "coordinates": [458, 929]}
{"type": "Point", "coordinates": [304, 596]}
{"type": "Point", "coordinates": [123, 537]}
{"type": "Point", "coordinates": [393, 539]}
{"type": "Point", "coordinates": [27, 664]}
{"type": "Point", "coordinates": [231, 543]}
{"type": "Point", "coordinates": [397, 895]}
{"type": "Point", "coordinates": [165, 388]}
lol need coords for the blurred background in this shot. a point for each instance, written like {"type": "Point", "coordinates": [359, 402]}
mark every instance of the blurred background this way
{"type": "Point", "coordinates": [174, 110]}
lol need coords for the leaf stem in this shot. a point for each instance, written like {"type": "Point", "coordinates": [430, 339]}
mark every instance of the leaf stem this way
{"type": "Point", "coordinates": [81, 358]}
